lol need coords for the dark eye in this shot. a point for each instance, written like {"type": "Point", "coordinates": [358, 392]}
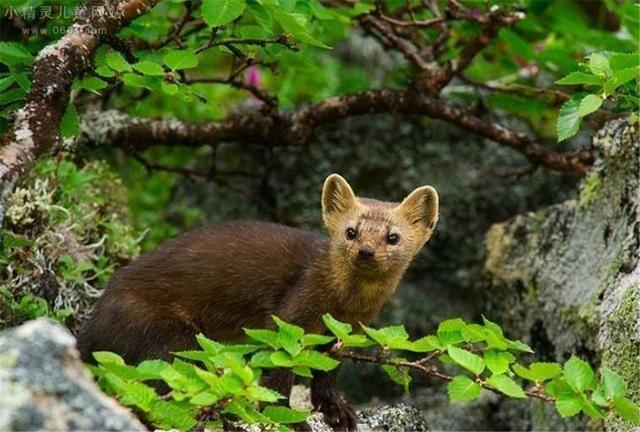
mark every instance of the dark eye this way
{"type": "Point", "coordinates": [351, 233]}
{"type": "Point", "coordinates": [393, 239]}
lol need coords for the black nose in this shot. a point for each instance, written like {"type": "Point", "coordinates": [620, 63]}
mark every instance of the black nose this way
{"type": "Point", "coordinates": [366, 253]}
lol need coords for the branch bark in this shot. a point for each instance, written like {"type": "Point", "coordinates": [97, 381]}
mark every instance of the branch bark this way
{"type": "Point", "coordinates": [35, 129]}
{"type": "Point", "coordinates": [295, 127]}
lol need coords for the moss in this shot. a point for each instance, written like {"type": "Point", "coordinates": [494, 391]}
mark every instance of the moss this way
{"type": "Point", "coordinates": [66, 231]}
{"type": "Point", "coordinates": [590, 189]}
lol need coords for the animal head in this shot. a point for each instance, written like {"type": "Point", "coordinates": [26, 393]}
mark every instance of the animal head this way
{"type": "Point", "coordinates": [377, 237]}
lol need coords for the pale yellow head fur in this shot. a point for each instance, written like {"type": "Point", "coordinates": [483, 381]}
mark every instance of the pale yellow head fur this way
{"type": "Point", "coordinates": [377, 237]}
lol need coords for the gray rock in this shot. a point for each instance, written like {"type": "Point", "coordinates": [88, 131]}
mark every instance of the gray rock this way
{"type": "Point", "coordinates": [44, 386]}
{"type": "Point", "coordinates": [389, 418]}
{"type": "Point", "coordinates": [567, 278]}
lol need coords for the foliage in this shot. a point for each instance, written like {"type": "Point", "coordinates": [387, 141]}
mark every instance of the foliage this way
{"type": "Point", "coordinates": [65, 232]}
{"type": "Point", "coordinates": [219, 384]}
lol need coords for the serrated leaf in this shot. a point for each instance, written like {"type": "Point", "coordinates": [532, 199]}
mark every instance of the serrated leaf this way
{"type": "Point", "coordinates": [263, 394]}
{"type": "Point", "coordinates": [450, 331]}
{"type": "Point", "coordinates": [316, 339]}
{"type": "Point", "coordinates": [268, 337]}
{"type": "Point", "coordinates": [217, 13]}
{"type": "Point", "coordinates": [281, 358]}
{"type": "Point", "coordinates": [515, 345]}
{"type": "Point", "coordinates": [153, 368]}
{"type": "Point", "coordinates": [568, 119]}
{"type": "Point", "coordinates": [180, 59]}
{"type": "Point", "coordinates": [284, 415]}
{"type": "Point", "coordinates": [261, 15]}
{"type": "Point", "coordinates": [69, 125]}
{"type": "Point", "coordinates": [506, 385]}
{"type": "Point", "coordinates": [336, 327]}
{"type": "Point", "coordinates": [12, 54]}
{"type": "Point", "coordinates": [149, 68]}
{"type": "Point", "coordinates": [498, 362]}
{"type": "Point", "coordinates": [614, 386]}
{"type": "Point", "coordinates": [589, 408]}
{"type": "Point", "coordinates": [289, 343]}
{"type": "Point", "coordinates": [303, 371]}
{"type": "Point", "coordinates": [394, 337]}
{"type": "Point", "coordinates": [466, 359]}
{"type": "Point", "coordinates": [523, 372]}
{"type": "Point", "coordinates": [295, 331]}
{"type": "Point", "coordinates": [108, 357]}
{"type": "Point", "coordinates": [90, 83]}
{"type": "Point", "coordinates": [474, 333]}
{"type": "Point", "coordinates": [578, 374]}
{"type": "Point", "coordinates": [619, 78]}
{"type": "Point", "coordinates": [205, 398]}
{"type": "Point", "coordinates": [599, 65]}
{"type": "Point", "coordinates": [261, 359]}
{"type": "Point", "coordinates": [621, 61]}
{"type": "Point", "coordinates": [589, 104]}
{"type": "Point", "coordinates": [580, 78]}
{"type": "Point", "coordinates": [316, 360]}
{"type": "Point", "coordinates": [208, 344]}
{"type": "Point", "coordinates": [138, 394]}
{"type": "Point", "coordinates": [627, 409]}
{"type": "Point", "coordinates": [542, 371]}
{"type": "Point", "coordinates": [291, 24]}
{"type": "Point", "coordinates": [426, 344]}
{"type": "Point", "coordinates": [398, 374]}
{"type": "Point", "coordinates": [168, 415]}
{"type": "Point", "coordinates": [462, 388]}
{"type": "Point", "coordinates": [133, 80]}
{"type": "Point", "coordinates": [568, 407]}
{"type": "Point", "coordinates": [117, 62]}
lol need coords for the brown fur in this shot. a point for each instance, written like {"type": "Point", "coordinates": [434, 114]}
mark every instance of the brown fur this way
{"type": "Point", "coordinates": [220, 279]}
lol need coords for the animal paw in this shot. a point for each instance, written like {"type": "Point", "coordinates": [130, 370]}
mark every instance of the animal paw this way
{"type": "Point", "coordinates": [337, 413]}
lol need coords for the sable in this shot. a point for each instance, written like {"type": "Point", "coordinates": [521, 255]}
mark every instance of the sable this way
{"type": "Point", "coordinates": [220, 279]}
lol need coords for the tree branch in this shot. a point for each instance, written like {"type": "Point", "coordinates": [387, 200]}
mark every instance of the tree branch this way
{"type": "Point", "coordinates": [295, 127]}
{"type": "Point", "coordinates": [35, 130]}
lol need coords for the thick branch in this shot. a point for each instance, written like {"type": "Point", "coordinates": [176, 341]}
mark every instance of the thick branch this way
{"type": "Point", "coordinates": [35, 129]}
{"type": "Point", "coordinates": [294, 128]}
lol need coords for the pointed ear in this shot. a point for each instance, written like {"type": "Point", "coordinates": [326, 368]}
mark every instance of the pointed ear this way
{"type": "Point", "coordinates": [337, 196]}
{"type": "Point", "coordinates": [421, 207]}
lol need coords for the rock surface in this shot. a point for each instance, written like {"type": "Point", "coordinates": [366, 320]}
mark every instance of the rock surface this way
{"type": "Point", "coordinates": [44, 386]}
{"type": "Point", "coordinates": [386, 418]}
{"type": "Point", "coordinates": [567, 278]}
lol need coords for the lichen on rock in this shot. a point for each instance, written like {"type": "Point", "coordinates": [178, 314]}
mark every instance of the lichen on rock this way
{"type": "Point", "coordinates": [66, 230]}
{"type": "Point", "coordinates": [569, 282]}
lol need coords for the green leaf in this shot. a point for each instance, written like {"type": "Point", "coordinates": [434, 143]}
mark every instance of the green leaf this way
{"type": "Point", "coordinates": [134, 80]}
{"type": "Point", "coordinates": [542, 371]}
{"type": "Point", "coordinates": [117, 62]}
{"type": "Point", "coordinates": [263, 394]}
{"type": "Point", "coordinates": [589, 408]}
{"type": "Point", "coordinates": [169, 415]}
{"type": "Point", "coordinates": [569, 120]}
{"type": "Point", "coordinates": [399, 375]}
{"type": "Point", "coordinates": [5, 83]}
{"type": "Point", "coordinates": [466, 359]}
{"type": "Point", "coordinates": [506, 385]}
{"type": "Point", "coordinates": [303, 371]}
{"type": "Point", "coordinates": [107, 357]}
{"type": "Point", "coordinates": [316, 339]}
{"type": "Point", "coordinates": [284, 415]}
{"type": "Point", "coordinates": [498, 362]}
{"type": "Point", "coordinates": [69, 125]}
{"type": "Point", "coordinates": [316, 360]}
{"type": "Point", "coordinates": [340, 329]}
{"type": "Point", "coordinates": [627, 409]}
{"type": "Point", "coordinates": [577, 78]}
{"type": "Point", "coordinates": [474, 333]}
{"type": "Point", "coordinates": [515, 345]}
{"type": "Point", "coordinates": [13, 54]}
{"type": "Point", "coordinates": [180, 59]}
{"type": "Point", "coordinates": [450, 331]}
{"type": "Point", "coordinates": [568, 407]}
{"type": "Point", "coordinates": [294, 330]}
{"type": "Point", "coordinates": [426, 344]}
{"type": "Point", "coordinates": [621, 61]}
{"type": "Point", "coordinates": [208, 344]}
{"type": "Point", "coordinates": [217, 13]}
{"type": "Point", "coordinates": [590, 103]}
{"type": "Point", "coordinates": [281, 358]}
{"type": "Point", "coordinates": [599, 65]}
{"type": "Point", "coordinates": [395, 337]}
{"type": "Point", "coordinates": [205, 398]}
{"type": "Point", "coordinates": [291, 23]}
{"type": "Point", "coordinates": [578, 374]}
{"type": "Point", "coordinates": [619, 78]}
{"type": "Point", "coordinates": [153, 368]}
{"type": "Point", "coordinates": [261, 15]}
{"type": "Point", "coordinates": [268, 337]}
{"type": "Point", "coordinates": [149, 68]}
{"type": "Point", "coordinates": [523, 372]}
{"type": "Point", "coordinates": [289, 343]}
{"type": "Point", "coordinates": [90, 83]}
{"type": "Point", "coordinates": [261, 359]}
{"type": "Point", "coordinates": [462, 388]}
{"type": "Point", "coordinates": [138, 394]}
{"type": "Point", "coordinates": [614, 386]}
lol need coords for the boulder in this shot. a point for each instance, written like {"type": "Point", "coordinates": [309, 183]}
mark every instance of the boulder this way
{"type": "Point", "coordinates": [566, 279]}
{"type": "Point", "coordinates": [44, 386]}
